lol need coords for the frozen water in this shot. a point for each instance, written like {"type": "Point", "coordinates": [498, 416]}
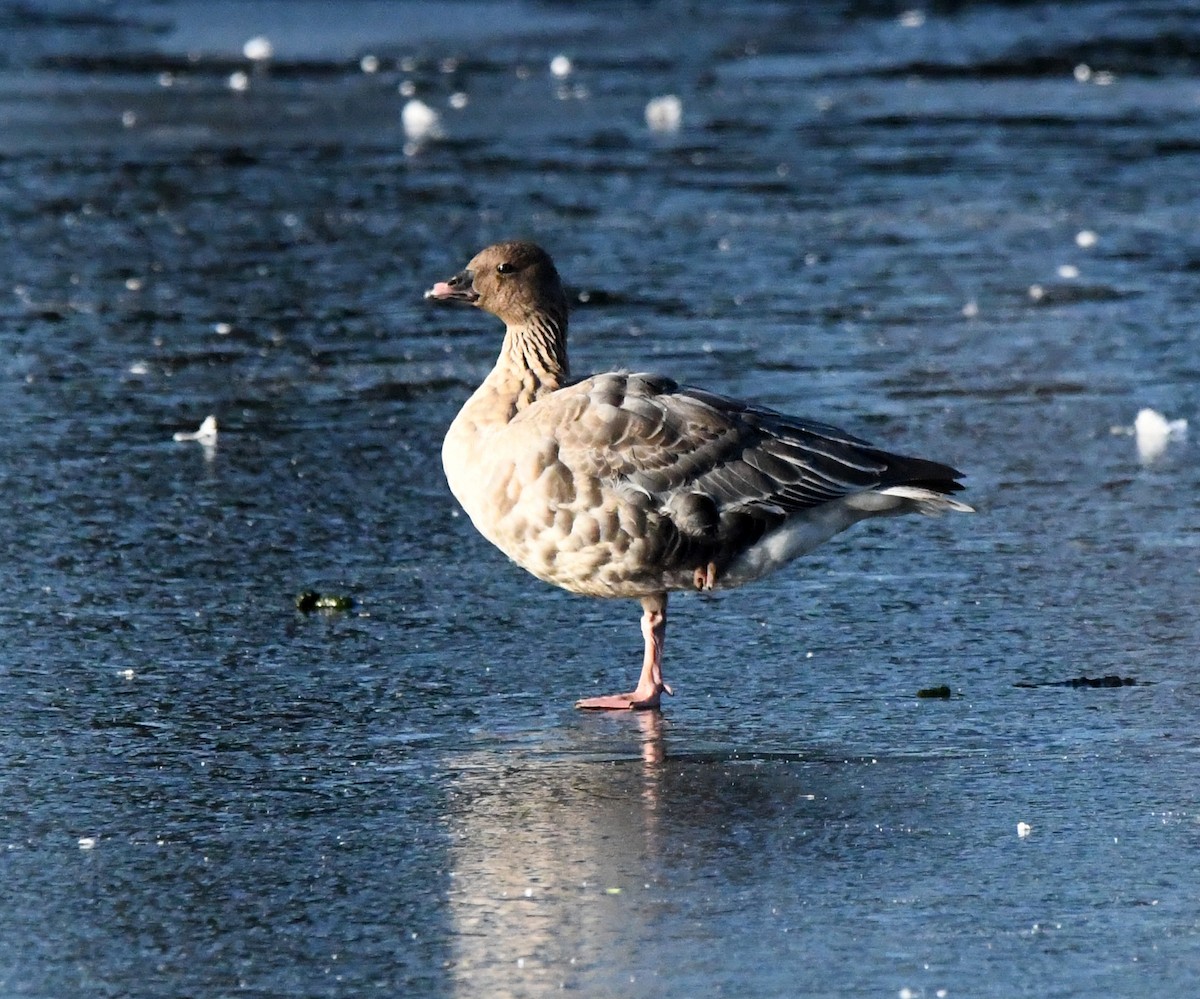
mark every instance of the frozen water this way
{"type": "Point", "coordinates": [396, 798]}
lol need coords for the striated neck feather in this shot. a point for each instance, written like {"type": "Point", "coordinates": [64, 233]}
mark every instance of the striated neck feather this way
{"type": "Point", "coordinates": [535, 356]}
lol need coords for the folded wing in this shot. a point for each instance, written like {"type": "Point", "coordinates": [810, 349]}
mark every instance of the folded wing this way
{"type": "Point", "coordinates": [649, 434]}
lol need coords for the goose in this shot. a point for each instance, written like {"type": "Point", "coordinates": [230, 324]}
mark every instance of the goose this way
{"type": "Point", "coordinates": [629, 484]}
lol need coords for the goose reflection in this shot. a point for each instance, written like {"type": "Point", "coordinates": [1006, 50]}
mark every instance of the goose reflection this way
{"type": "Point", "coordinates": [565, 871]}
{"type": "Point", "coordinates": [546, 857]}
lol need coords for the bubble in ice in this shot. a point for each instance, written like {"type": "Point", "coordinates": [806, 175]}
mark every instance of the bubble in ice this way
{"type": "Point", "coordinates": [205, 434]}
{"type": "Point", "coordinates": [1068, 271]}
{"type": "Point", "coordinates": [420, 121]}
{"type": "Point", "coordinates": [129, 118]}
{"type": "Point", "coordinates": [1084, 73]}
{"type": "Point", "coordinates": [912, 19]}
{"type": "Point", "coordinates": [1152, 433]}
{"type": "Point", "coordinates": [258, 49]}
{"type": "Point", "coordinates": [458, 100]}
{"type": "Point", "coordinates": [1024, 829]}
{"type": "Point", "coordinates": [238, 81]}
{"type": "Point", "coordinates": [1085, 239]}
{"type": "Point", "coordinates": [560, 66]}
{"type": "Point", "coordinates": [665, 113]}
{"type": "Point", "coordinates": [87, 842]}
{"type": "Point", "coordinates": [369, 64]}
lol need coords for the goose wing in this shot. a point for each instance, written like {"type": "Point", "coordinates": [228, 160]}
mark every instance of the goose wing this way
{"type": "Point", "coordinates": [648, 434]}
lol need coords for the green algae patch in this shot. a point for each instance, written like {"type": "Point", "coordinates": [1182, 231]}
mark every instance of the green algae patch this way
{"type": "Point", "coordinates": [310, 601]}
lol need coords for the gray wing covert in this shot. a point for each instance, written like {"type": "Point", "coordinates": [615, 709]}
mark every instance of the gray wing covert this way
{"type": "Point", "coordinates": [661, 438]}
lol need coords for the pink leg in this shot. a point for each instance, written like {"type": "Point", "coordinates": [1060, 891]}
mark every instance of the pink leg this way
{"type": "Point", "coordinates": [650, 685]}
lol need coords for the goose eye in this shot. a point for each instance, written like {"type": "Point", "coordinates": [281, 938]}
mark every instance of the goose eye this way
{"type": "Point", "coordinates": [505, 268]}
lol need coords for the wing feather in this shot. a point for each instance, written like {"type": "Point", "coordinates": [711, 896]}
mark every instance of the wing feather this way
{"type": "Point", "coordinates": [647, 434]}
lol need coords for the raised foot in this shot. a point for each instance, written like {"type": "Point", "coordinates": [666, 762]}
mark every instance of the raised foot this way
{"type": "Point", "coordinates": [633, 701]}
